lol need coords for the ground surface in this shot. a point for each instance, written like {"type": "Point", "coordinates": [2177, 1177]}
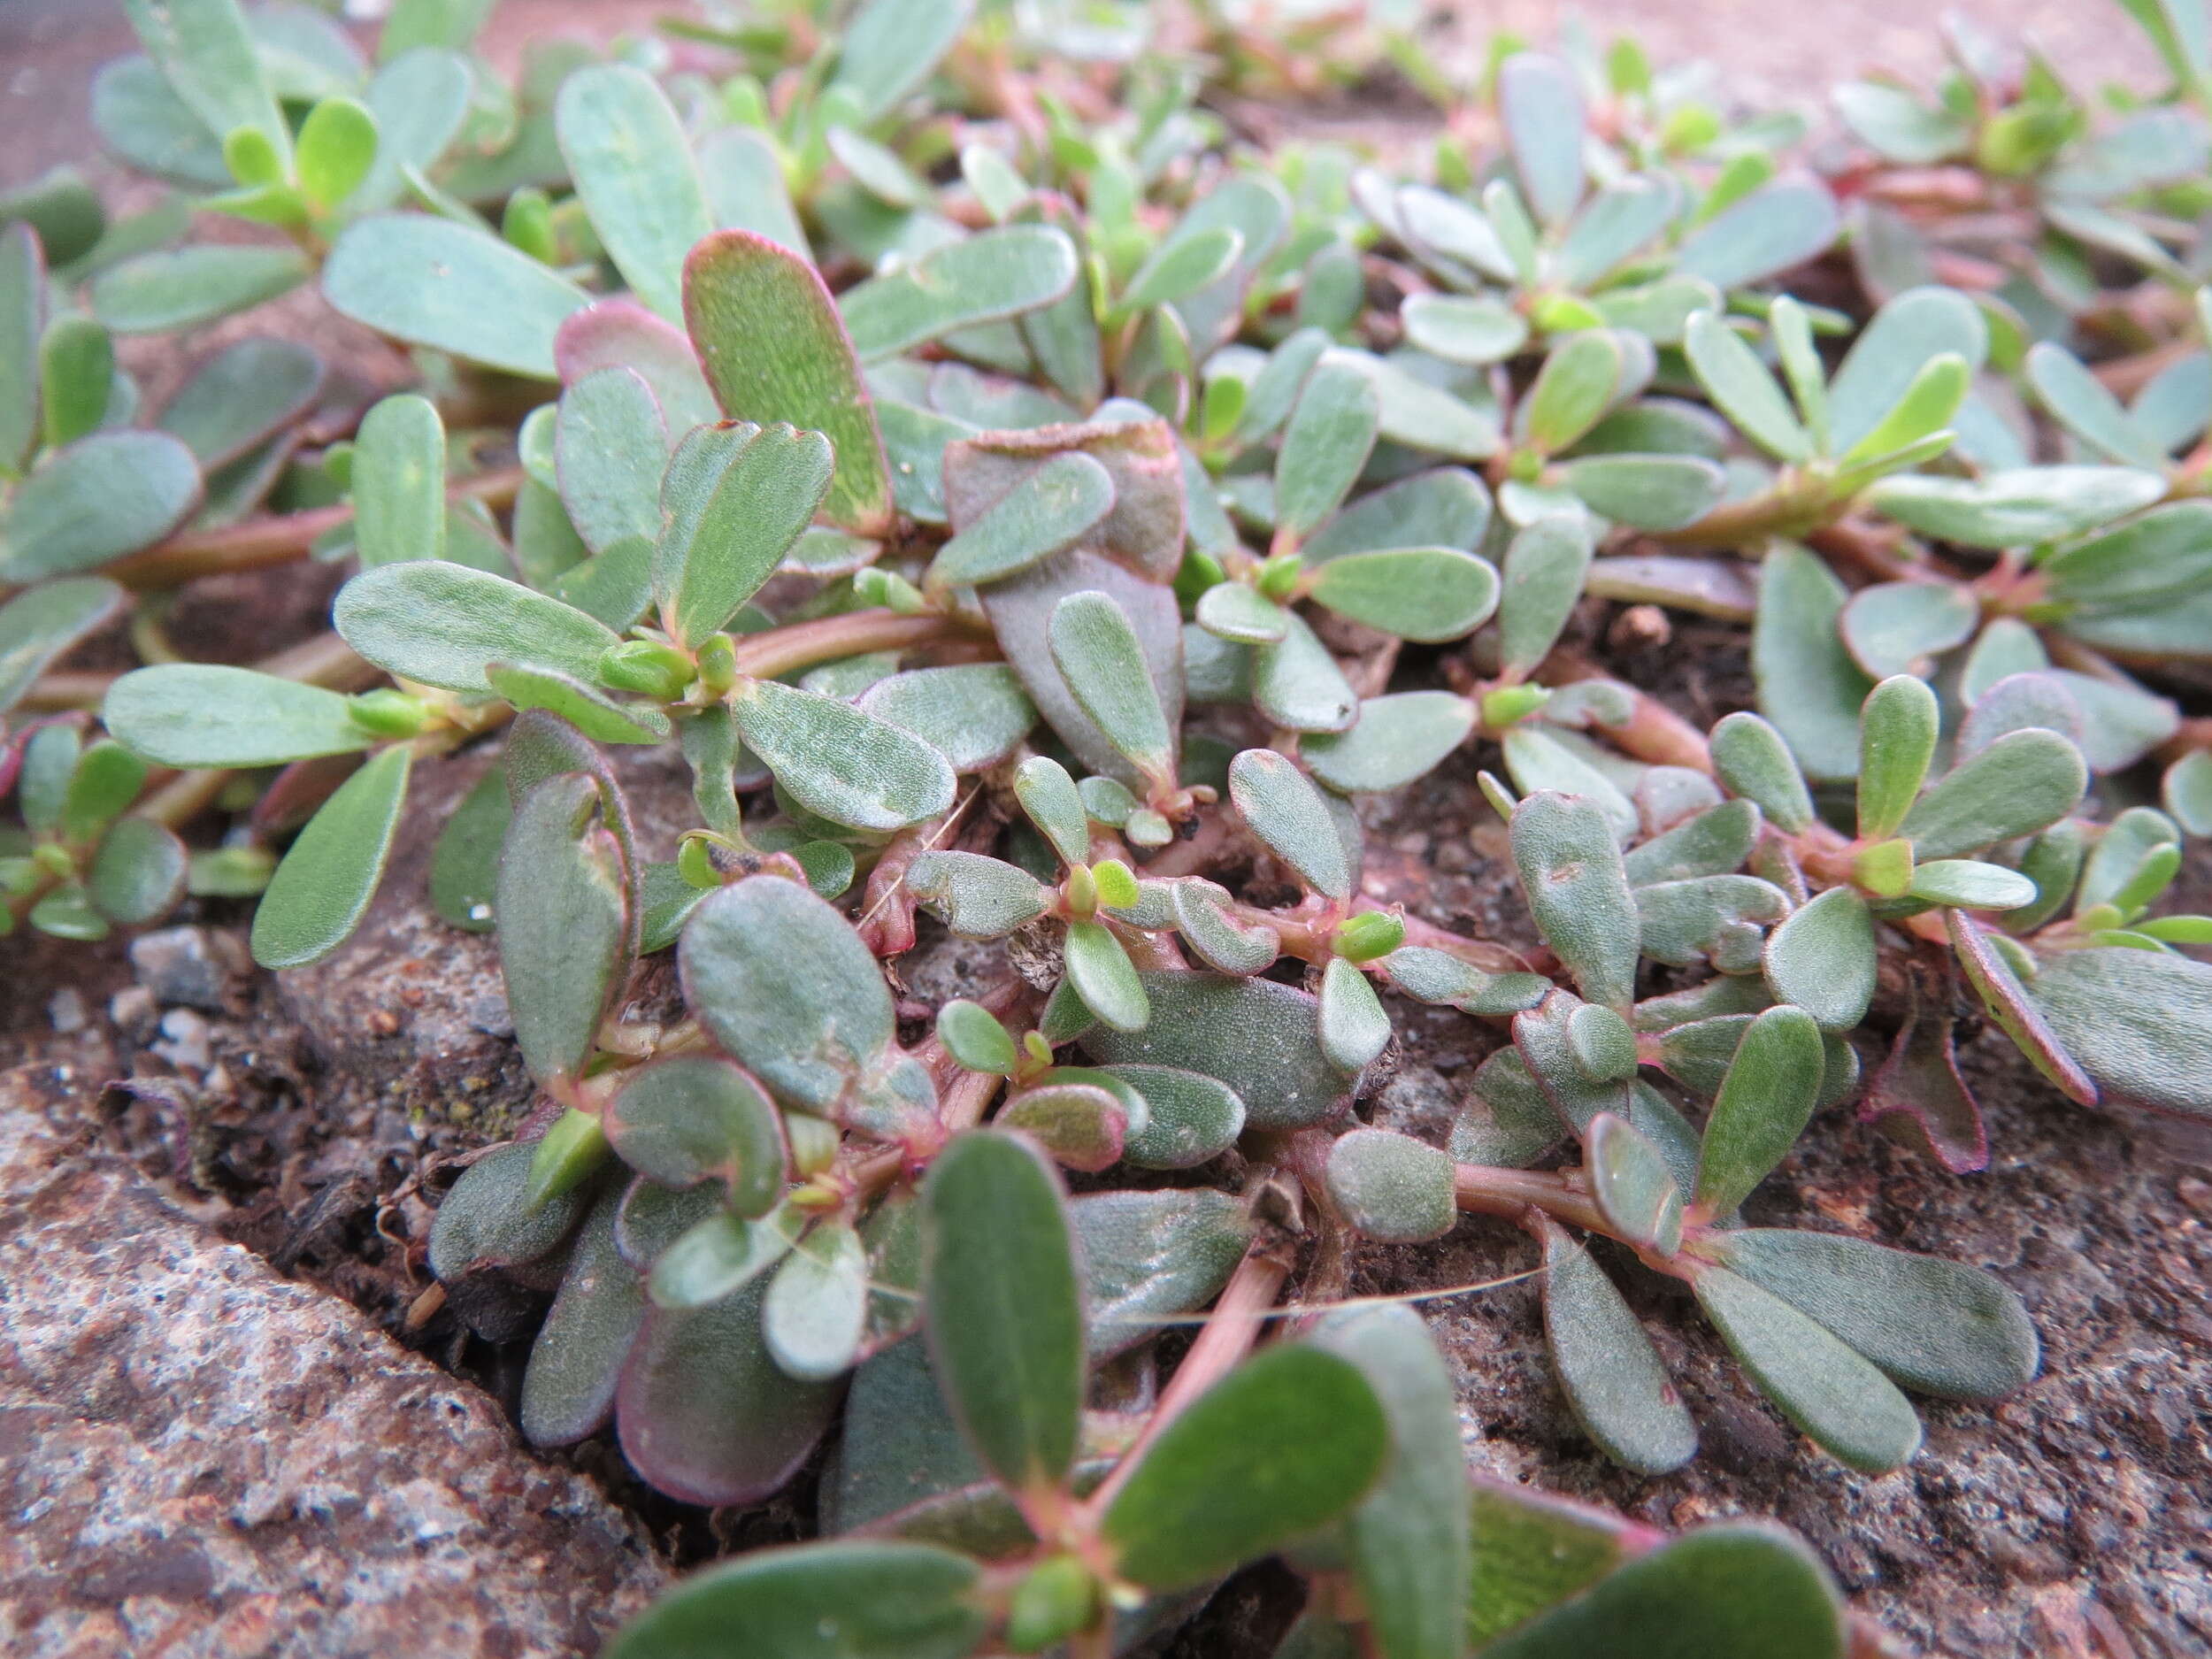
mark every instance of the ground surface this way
{"type": "Point", "coordinates": [202, 1458]}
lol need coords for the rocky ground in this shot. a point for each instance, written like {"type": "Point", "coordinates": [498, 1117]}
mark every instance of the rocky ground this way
{"type": "Point", "coordinates": [231, 1423]}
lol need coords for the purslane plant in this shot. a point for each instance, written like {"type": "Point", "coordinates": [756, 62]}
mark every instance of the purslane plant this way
{"type": "Point", "coordinates": [1029, 514]}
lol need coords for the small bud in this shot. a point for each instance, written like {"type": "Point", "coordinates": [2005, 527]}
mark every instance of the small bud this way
{"type": "Point", "coordinates": [1278, 576]}
{"type": "Point", "coordinates": [813, 1142]}
{"type": "Point", "coordinates": [717, 664]}
{"type": "Point", "coordinates": [1055, 1599]}
{"type": "Point", "coordinates": [1116, 884]}
{"type": "Point", "coordinates": [2100, 918]}
{"type": "Point", "coordinates": [1146, 828]}
{"type": "Point", "coordinates": [648, 666]}
{"type": "Point", "coordinates": [1369, 934]}
{"type": "Point", "coordinates": [1223, 407]}
{"type": "Point", "coordinates": [1036, 1047]}
{"type": "Point", "coordinates": [54, 859]}
{"type": "Point", "coordinates": [251, 158]}
{"type": "Point", "coordinates": [1524, 466]}
{"type": "Point", "coordinates": [1884, 869]}
{"type": "Point", "coordinates": [875, 586]}
{"type": "Point", "coordinates": [1509, 705]}
{"type": "Point", "coordinates": [1198, 572]}
{"type": "Point", "coordinates": [1080, 892]}
{"type": "Point", "coordinates": [1562, 313]}
{"type": "Point", "coordinates": [695, 863]}
{"type": "Point", "coordinates": [388, 713]}
{"type": "Point", "coordinates": [570, 1150]}
{"type": "Point", "coordinates": [527, 224]}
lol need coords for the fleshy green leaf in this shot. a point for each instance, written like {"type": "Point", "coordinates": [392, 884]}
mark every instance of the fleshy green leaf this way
{"type": "Point", "coordinates": [1897, 739]}
{"type": "Point", "coordinates": [996, 274]}
{"type": "Point", "coordinates": [1424, 593]}
{"type": "Point", "coordinates": [1821, 958]}
{"type": "Point", "coordinates": [568, 1391]}
{"type": "Point", "coordinates": [707, 1417]}
{"type": "Point", "coordinates": [1332, 429]}
{"type": "Point", "coordinates": [787, 988]}
{"type": "Point", "coordinates": [1104, 978]}
{"type": "Point", "coordinates": [38, 626]}
{"type": "Point", "coordinates": [611, 447]}
{"type": "Point", "coordinates": [1744, 390]}
{"type": "Point", "coordinates": [1097, 651]}
{"type": "Point", "coordinates": [1829, 1391]}
{"type": "Point", "coordinates": [433, 282]}
{"type": "Point", "coordinates": [565, 929]}
{"type": "Point", "coordinates": [839, 762]}
{"type": "Point", "coordinates": [205, 714]}
{"type": "Point", "coordinates": [443, 624]}
{"type": "Point", "coordinates": [1392, 1187]}
{"type": "Point", "coordinates": [323, 886]}
{"type": "Point", "coordinates": [1754, 760]}
{"type": "Point", "coordinates": [1192, 1119]}
{"type": "Point", "coordinates": [1936, 1326]}
{"type": "Point", "coordinates": [137, 872]}
{"type": "Point", "coordinates": [633, 171]}
{"type": "Point", "coordinates": [826, 1601]}
{"type": "Point", "coordinates": [1461, 329]}
{"type": "Point", "coordinates": [2023, 782]}
{"type": "Point", "coordinates": [110, 493]}
{"type": "Point", "coordinates": [1808, 686]}
{"type": "Point", "coordinates": [2017, 507]}
{"type": "Point", "coordinates": [1608, 1368]}
{"type": "Point", "coordinates": [1253, 1035]}
{"type": "Point", "coordinates": [974, 1037]}
{"type": "Point", "coordinates": [1583, 375]}
{"type": "Point", "coordinates": [399, 506]}
{"type": "Point", "coordinates": [1045, 513]}
{"type": "Point", "coordinates": [974, 714]}
{"type": "Point", "coordinates": [1282, 1445]}
{"type": "Point", "coordinates": [1647, 492]}
{"type": "Point", "coordinates": [1545, 566]}
{"type": "Point", "coordinates": [1741, 1591]}
{"type": "Point", "coordinates": [1764, 1103]}
{"type": "Point", "coordinates": [890, 47]}
{"type": "Point", "coordinates": [1579, 893]}
{"type": "Point", "coordinates": [1281, 806]}
{"type": "Point", "coordinates": [1355, 1028]}
{"type": "Point", "coordinates": [730, 522]}
{"type": "Point", "coordinates": [206, 54]}
{"type": "Point", "coordinates": [1900, 627]}
{"type": "Point", "coordinates": [693, 1117]}
{"type": "Point", "coordinates": [1776, 227]}
{"type": "Point", "coordinates": [1396, 739]}
{"type": "Point", "coordinates": [814, 1312]}
{"type": "Point", "coordinates": [1408, 1537]}
{"type": "Point", "coordinates": [1005, 1313]}
{"type": "Point", "coordinates": [2136, 1021]}
{"type": "Point", "coordinates": [1631, 1182]}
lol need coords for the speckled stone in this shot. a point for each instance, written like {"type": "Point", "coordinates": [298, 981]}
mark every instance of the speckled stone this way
{"type": "Point", "coordinates": [203, 1460]}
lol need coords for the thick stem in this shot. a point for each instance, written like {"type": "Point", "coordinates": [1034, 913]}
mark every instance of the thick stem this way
{"type": "Point", "coordinates": [803, 644]}
{"type": "Point", "coordinates": [1653, 732]}
{"type": "Point", "coordinates": [1781, 510]}
{"type": "Point", "coordinates": [262, 543]}
{"type": "Point", "coordinates": [1481, 1190]}
{"type": "Point", "coordinates": [1229, 1335]}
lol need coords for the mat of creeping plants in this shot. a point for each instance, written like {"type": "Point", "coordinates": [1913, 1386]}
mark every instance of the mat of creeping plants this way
{"type": "Point", "coordinates": [1033, 511]}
